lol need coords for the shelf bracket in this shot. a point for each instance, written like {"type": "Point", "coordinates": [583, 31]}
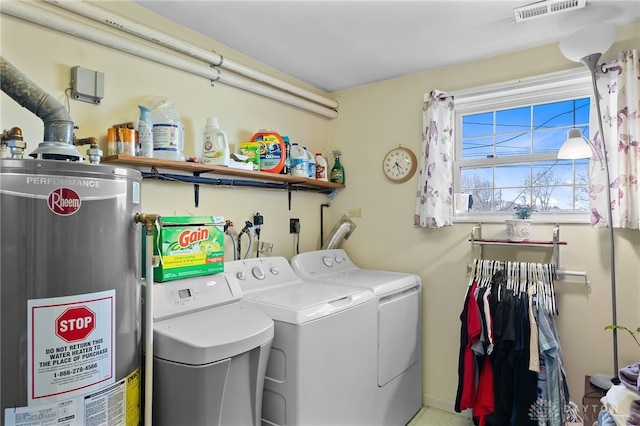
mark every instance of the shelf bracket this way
{"type": "Point", "coordinates": [196, 190]}
{"type": "Point", "coordinates": [556, 249]}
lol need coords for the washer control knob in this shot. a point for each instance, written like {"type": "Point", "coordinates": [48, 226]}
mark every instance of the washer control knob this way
{"type": "Point", "coordinates": [257, 272]}
{"type": "Point", "coordinates": [338, 259]}
{"type": "Point", "coordinates": [327, 261]}
{"type": "Point", "coordinates": [274, 270]}
{"type": "Point", "coordinates": [241, 275]}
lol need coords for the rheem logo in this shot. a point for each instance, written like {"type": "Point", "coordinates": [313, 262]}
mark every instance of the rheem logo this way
{"type": "Point", "coordinates": [75, 324]}
{"type": "Point", "coordinates": [64, 201]}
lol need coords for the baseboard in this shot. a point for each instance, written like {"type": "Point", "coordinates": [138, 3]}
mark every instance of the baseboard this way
{"type": "Point", "coordinates": [443, 405]}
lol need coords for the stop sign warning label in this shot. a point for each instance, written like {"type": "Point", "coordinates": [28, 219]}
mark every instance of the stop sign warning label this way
{"type": "Point", "coordinates": [75, 324]}
{"type": "Point", "coordinates": [71, 345]}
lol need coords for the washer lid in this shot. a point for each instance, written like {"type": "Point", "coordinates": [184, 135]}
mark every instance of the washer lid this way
{"type": "Point", "coordinates": [211, 335]}
{"type": "Point", "coordinates": [302, 302]}
{"type": "Point", "coordinates": [379, 282]}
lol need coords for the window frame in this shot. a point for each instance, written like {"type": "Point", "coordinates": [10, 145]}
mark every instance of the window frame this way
{"type": "Point", "coordinates": [561, 86]}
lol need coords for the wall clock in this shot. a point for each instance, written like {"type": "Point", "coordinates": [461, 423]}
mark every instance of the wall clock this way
{"type": "Point", "coordinates": [399, 164]}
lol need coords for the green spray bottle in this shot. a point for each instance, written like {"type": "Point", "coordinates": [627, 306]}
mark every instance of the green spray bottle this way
{"type": "Point", "coordinates": [337, 171]}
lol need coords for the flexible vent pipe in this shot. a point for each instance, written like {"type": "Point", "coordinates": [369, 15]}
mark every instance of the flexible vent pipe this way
{"type": "Point", "coordinates": [58, 126]}
{"type": "Point", "coordinates": [137, 29]}
{"type": "Point", "coordinates": [69, 26]}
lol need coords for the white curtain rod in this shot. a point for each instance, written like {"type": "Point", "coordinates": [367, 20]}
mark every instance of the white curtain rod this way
{"type": "Point", "coordinates": [69, 26]}
{"type": "Point", "coordinates": [559, 79]}
{"type": "Point", "coordinates": [137, 29]}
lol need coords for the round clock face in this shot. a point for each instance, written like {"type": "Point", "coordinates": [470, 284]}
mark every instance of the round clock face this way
{"type": "Point", "coordinates": [399, 164]}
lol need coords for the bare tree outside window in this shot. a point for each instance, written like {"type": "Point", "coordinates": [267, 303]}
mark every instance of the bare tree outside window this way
{"type": "Point", "coordinates": [509, 157]}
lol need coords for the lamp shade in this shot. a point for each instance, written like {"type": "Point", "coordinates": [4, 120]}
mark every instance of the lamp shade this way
{"type": "Point", "coordinates": [574, 147]}
{"type": "Point", "coordinates": [589, 40]}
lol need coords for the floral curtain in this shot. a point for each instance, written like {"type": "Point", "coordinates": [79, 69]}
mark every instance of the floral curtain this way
{"type": "Point", "coordinates": [434, 201]}
{"type": "Point", "coordinates": [619, 102]}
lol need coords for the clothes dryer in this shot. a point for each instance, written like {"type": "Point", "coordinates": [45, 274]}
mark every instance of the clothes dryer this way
{"type": "Point", "coordinates": [398, 370]}
{"type": "Point", "coordinates": [210, 353]}
{"type": "Point", "coordinates": [318, 370]}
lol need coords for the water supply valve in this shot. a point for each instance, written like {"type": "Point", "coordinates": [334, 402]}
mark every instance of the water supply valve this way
{"type": "Point", "coordinates": [94, 152]}
{"type": "Point", "coordinates": [14, 143]}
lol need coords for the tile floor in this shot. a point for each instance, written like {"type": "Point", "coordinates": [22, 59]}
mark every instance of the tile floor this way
{"type": "Point", "coordinates": [428, 416]}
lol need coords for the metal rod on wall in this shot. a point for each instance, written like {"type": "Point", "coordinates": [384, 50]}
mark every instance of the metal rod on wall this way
{"type": "Point", "coordinates": [69, 26]}
{"type": "Point", "coordinates": [137, 29]}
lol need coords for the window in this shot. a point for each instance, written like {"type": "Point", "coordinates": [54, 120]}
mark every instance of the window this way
{"type": "Point", "coordinates": [507, 142]}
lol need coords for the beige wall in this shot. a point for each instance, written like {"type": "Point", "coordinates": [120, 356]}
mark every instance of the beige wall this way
{"type": "Point", "coordinates": [377, 117]}
{"type": "Point", "coordinates": [372, 119]}
{"type": "Point", "coordinates": [47, 57]}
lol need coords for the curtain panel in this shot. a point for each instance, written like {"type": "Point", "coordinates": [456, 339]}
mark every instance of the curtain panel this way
{"type": "Point", "coordinates": [619, 90]}
{"type": "Point", "coordinates": [434, 201]}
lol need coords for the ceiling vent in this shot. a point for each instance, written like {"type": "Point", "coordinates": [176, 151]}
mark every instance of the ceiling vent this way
{"type": "Point", "coordinates": [546, 8]}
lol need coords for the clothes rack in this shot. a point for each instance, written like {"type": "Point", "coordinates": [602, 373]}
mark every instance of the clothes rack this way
{"type": "Point", "coordinates": [511, 369]}
{"type": "Point", "coordinates": [478, 243]}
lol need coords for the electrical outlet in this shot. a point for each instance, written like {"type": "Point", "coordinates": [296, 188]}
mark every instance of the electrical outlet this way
{"type": "Point", "coordinates": [294, 226]}
{"type": "Point", "coordinates": [265, 247]}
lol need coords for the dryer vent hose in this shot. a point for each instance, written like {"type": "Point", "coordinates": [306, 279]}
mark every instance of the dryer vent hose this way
{"type": "Point", "coordinates": [341, 231]}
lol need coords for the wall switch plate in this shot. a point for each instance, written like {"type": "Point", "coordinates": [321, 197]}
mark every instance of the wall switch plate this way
{"type": "Point", "coordinates": [355, 212]}
{"type": "Point", "coordinates": [87, 85]}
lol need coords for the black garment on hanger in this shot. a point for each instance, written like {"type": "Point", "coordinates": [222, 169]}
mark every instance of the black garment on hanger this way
{"type": "Point", "coordinates": [464, 340]}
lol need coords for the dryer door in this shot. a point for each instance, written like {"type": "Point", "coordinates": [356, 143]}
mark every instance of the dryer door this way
{"type": "Point", "coordinates": [399, 333]}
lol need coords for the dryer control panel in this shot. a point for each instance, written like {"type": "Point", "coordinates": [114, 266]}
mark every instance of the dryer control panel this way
{"type": "Point", "coordinates": [317, 264]}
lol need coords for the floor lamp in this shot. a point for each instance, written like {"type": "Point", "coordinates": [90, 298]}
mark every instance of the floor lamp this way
{"type": "Point", "coordinates": [587, 46]}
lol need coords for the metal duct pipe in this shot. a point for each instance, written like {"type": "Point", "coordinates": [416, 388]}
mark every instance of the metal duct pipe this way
{"type": "Point", "coordinates": [137, 29]}
{"type": "Point", "coordinates": [58, 126]}
{"type": "Point", "coordinates": [341, 231]}
{"type": "Point", "coordinates": [68, 26]}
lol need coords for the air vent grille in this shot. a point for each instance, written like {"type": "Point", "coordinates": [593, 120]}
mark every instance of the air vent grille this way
{"type": "Point", "coordinates": [547, 7]}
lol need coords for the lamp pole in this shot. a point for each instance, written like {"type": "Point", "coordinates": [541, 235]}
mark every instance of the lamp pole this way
{"type": "Point", "coordinates": [591, 61]}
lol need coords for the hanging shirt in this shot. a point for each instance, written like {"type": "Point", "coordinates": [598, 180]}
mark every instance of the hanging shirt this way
{"type": "Point", "coordinates": [470, 333]}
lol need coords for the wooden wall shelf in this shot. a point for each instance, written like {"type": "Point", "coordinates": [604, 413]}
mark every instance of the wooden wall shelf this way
{"type": "Point", "coordinates": [192, 172]}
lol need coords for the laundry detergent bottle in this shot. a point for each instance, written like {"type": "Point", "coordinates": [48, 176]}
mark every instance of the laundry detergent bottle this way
{"type": "Point", "coordinates": [215, 146]}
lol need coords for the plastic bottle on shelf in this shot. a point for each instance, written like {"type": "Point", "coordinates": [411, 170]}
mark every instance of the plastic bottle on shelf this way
{"type": "Point", "coordinates": [286, 169]}
{"type": "Point", "coordinates": [168, 131]}
{"type": "Point", "coordinates": [337, 171]}
{"type": "Point", "coordinates": [321, 167]}
{"type": "Point", "coordinates": [145, 132]}
{"type": "Point", "coordinates": [215, 146]}
{"type": "Point", "coordinates": [299, 162]}
{"type": "Point", "coordinates": [311, 161]}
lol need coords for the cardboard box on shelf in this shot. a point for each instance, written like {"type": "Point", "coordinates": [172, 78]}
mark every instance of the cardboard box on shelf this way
{"type": "Point", "coordinates": [188, 246]}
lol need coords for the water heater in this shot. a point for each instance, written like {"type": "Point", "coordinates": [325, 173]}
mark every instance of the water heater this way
{"type": "Point", "coordinates": [69, 293]}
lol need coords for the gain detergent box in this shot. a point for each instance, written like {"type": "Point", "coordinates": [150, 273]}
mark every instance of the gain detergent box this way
{"type": "Point", "coordinates": [188, 246]}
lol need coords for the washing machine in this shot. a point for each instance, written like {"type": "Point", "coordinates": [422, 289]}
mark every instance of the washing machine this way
{"type": "Point", "coordinates": [318, 370]}
{"type": "Point", "coordinates": [210, 353]}
{"type": "Point", "coordinates": [398, 370]}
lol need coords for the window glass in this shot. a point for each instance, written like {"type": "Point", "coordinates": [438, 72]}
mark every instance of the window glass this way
{"type": "Point", "coordinates": [509, 156]}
